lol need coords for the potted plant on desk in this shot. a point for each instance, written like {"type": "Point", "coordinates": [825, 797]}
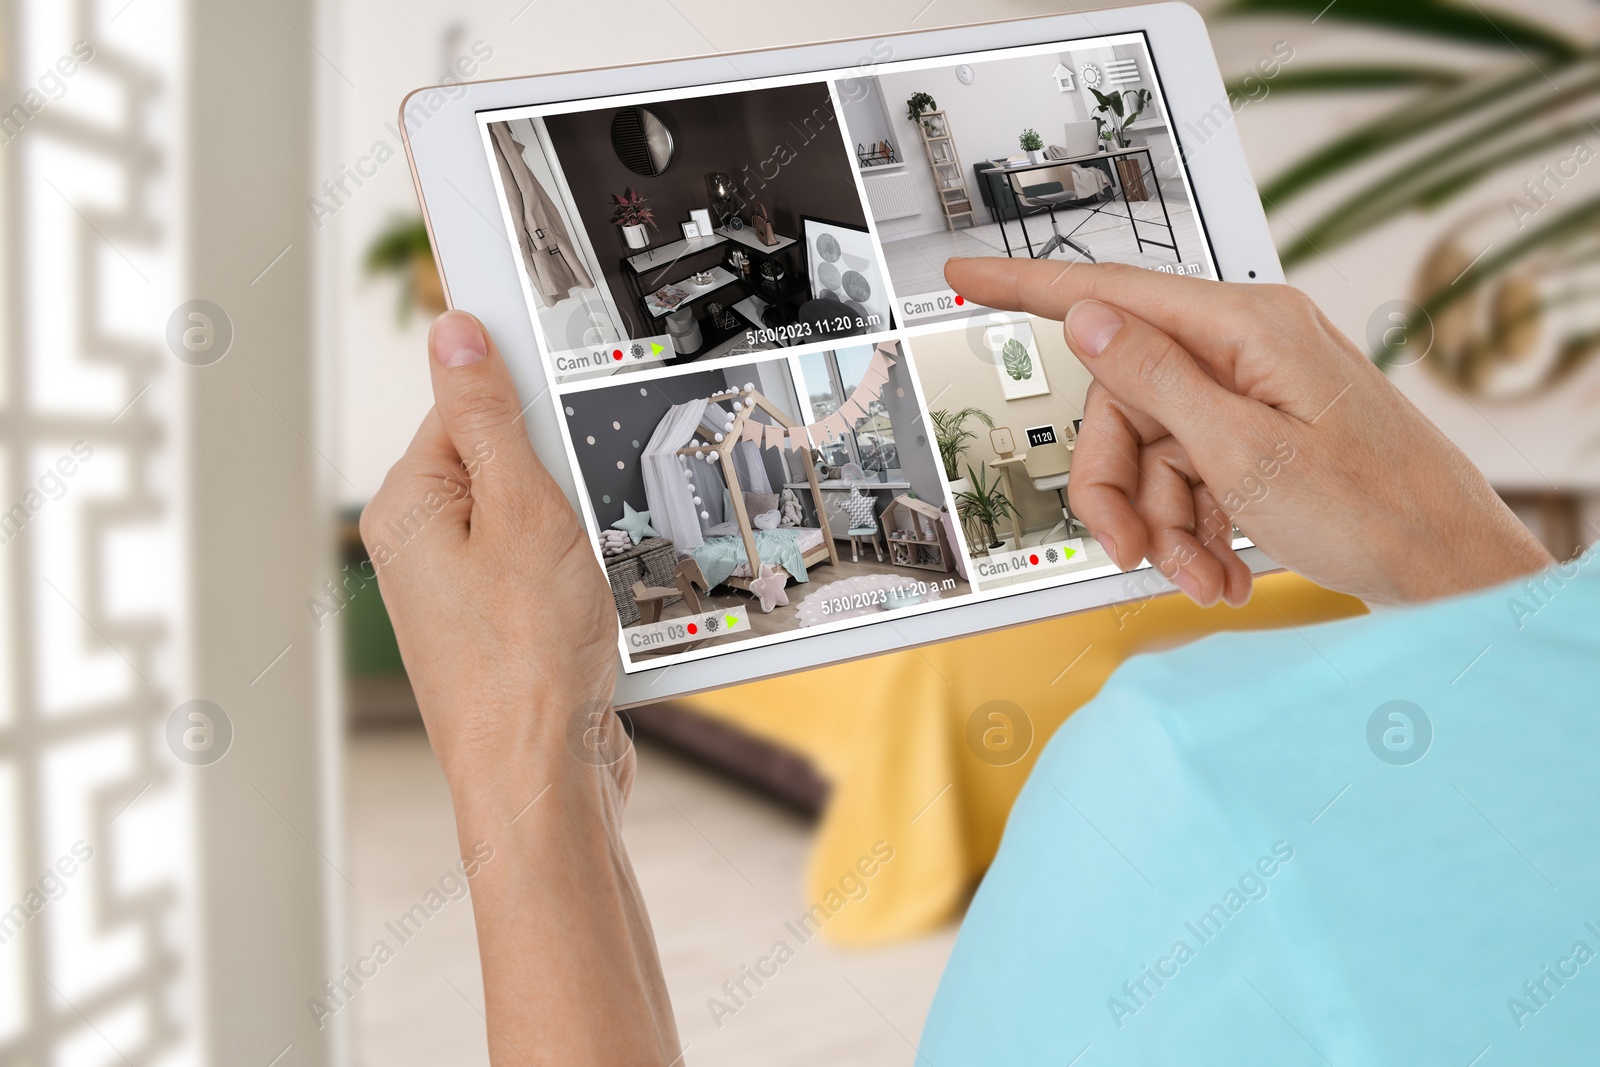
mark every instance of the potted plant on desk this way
{"type": "Point", "coordinates": [1033, 144]}
{"type": "Point", "coordinates": [983, 507]}
{"type": "Point", "coordinates": [952, 436]}
{"type": "Point", "coordinates": [629, 214]}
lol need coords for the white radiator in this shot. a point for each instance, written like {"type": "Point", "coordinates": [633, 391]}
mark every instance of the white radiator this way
{"type": "Point", "coordinates": [891, 196]}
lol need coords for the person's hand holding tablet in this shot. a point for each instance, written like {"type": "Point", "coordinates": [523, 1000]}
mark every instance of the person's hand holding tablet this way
{"type": "Point", "coordinates": [1197, 384]}
{"type": "Point", "coordinates": [1212, 405]}
{"type": "Point", "coordinates": [1216, 403]}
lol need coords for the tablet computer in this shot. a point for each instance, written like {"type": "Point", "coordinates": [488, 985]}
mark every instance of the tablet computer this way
{"type": "Point", "coordinates": [719, 284]}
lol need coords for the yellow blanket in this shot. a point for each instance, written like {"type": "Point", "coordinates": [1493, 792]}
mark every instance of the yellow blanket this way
{"type": "Point", "coordinates": [927, 748]}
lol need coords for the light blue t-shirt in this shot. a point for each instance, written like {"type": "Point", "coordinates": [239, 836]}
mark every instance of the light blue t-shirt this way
{"type": "Point", "coordinates": [1370, 842]}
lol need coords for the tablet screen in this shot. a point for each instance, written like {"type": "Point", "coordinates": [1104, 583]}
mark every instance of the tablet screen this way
{"type": "Point", "coordinates": [781, 419]}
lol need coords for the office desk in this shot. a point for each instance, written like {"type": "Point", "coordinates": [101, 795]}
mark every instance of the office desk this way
{"type": "Point", "coordinates": [1004, 467]}
{"type": "Point", "coordinates": [1122, 189]}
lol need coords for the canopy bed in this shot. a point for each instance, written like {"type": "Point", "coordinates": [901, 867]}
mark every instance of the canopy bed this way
{"type": "Point", "coordinates": [704, 448]}
{"type": "Point", "coordinates": [732, 551]}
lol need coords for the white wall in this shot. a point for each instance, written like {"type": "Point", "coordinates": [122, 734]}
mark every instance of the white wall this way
{"type": "Point", "coordinates": [867, 117]}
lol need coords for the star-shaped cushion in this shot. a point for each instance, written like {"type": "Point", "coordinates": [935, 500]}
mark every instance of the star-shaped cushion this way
{"type": "Point", "coordinates": [769, 587]}
{"type": "Point", "coordinates": [637, 523]}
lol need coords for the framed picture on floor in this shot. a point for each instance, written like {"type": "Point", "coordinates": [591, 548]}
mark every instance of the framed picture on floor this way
{"type": "Point", "coordinates": [842, 264]}
{"type": "Point", "coordinates": [1016, 359]}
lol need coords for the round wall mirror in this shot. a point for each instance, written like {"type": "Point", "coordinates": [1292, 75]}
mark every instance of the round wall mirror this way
{"type": "Point", "coordinates": [641, 140]}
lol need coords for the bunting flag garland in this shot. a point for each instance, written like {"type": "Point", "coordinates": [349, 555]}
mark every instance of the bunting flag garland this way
{"type": "Point", "coordinates": [854, 408]}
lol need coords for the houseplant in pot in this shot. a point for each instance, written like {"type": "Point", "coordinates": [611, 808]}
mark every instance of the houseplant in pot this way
{"type": "Point", "coordinates": [402, 248]}
{"type": "Point", "coordinates": [983, 507]}
{"type": "Point", "coordinates": [917, 104]}
{"type": "Point", "coordinates": [629, 213]}
{"type": "Point", "coordinates": [1032, 144]}
{"type": "Point", "coordinates": [952, 436]}
{"type": "Point", "coordinates": [1112, 120]}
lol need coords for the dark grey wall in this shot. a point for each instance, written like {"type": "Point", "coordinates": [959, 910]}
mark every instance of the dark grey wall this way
{"type": "Point", "coordinates": [782, 146]}
{"type": "Point", "coordinates": [638, 407]}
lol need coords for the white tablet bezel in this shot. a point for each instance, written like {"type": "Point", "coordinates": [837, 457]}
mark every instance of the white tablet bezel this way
{"type": "Point", "coordinates": [451, 171]}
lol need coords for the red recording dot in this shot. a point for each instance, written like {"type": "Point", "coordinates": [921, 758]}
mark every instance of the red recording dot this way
{"type": "Point", "coordinates": [616, 353]}
{"type": "Point", "coordinates": [693, 628]}
{"type": "Point", "coordinates": [960, 300]}
{"type": "Point", "coordinates": [1034, 559]}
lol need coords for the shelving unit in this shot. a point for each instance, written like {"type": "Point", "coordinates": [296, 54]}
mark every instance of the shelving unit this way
{"type": "Point", "coordinates": [651, 266]}
{"type": "Point", "coordinates": [948, 178]}
{"type": "Point", "coordinates": [916, 538]}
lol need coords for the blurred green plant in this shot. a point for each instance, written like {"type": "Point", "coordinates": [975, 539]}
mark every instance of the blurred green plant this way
{"type": "Point", "coordinates": [402, 248]}
{"type": "Point", "coordinates": [1453, 129]}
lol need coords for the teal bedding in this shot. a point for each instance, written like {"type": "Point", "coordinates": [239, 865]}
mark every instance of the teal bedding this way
{"type": "Point", "coordinates": [718, 556]}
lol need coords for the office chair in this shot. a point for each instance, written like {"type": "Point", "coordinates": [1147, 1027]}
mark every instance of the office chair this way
{"type": "Point", "coordinates": [1051, 195]}
{"type": "Point", "coordinates": [1048, 467]}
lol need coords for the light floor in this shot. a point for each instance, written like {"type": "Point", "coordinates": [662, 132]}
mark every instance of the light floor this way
{"type": "Point", "coordinates": [916, 264]}
{"type": "Point", "coordinates": [721, 869]}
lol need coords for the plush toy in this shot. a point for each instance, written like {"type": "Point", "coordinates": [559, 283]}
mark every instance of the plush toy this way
{"type": "Point", "coordinates": [791, 509]}
{"type": "Point", "coordinates": [635, 523]}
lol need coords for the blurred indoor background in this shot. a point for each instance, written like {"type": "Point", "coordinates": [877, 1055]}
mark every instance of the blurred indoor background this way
{"type": "Point", "coordinates": [171, 167]}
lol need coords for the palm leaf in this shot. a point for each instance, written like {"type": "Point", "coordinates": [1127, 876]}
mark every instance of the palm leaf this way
{"type": "Point", "coordinates": [1332, 79]}
{"type": "Point", "coordinates": [1428, 183]}
{"type": "Point", "coordinates": [1403, 124]}
{"type": "Point", "coordinates": [1427, 18]}
{"type": "Point", "coordinates": [1575, 224]}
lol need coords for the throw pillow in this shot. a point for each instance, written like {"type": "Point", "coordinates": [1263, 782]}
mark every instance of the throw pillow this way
{"type": "Point", "coordinates": [636, 523]}
{"type": "Point", "coordinates": [767, 520]}
{"type": "Point", "coordinates": [756, 503]}
{"type": "Point", "coordinates": [860, 508]}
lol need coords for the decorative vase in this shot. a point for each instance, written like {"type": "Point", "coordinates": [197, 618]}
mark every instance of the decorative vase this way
{"type": "Point", "coordinates": [1035, 155]}
{"type": "Point", "coordinates": [635, 235]}
{"type": "Point", "coordinates": [960, 485]}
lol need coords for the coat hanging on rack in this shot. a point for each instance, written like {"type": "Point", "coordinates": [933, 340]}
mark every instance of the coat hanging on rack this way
{"type": "Point", "coordinates": [548, 253]}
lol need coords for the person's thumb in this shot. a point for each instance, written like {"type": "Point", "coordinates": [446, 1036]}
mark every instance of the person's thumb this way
{"type": "Point", "coordinates": [1147, 370]}
{"type": "Point", "coordinates": [477, 402]}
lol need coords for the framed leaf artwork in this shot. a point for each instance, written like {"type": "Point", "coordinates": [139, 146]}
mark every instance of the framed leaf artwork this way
{"type": "Point", "coordinates": [1016, 359]}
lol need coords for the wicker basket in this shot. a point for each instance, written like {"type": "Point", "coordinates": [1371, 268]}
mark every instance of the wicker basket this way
{"type": "Point", "coordinates": [653, 561]}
